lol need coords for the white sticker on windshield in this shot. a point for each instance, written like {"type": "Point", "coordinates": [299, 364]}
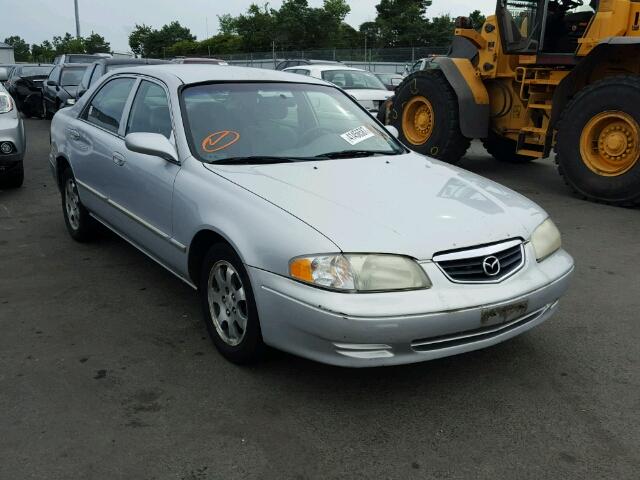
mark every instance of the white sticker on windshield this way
{"type": "Point", "coordinates": [357, 135]}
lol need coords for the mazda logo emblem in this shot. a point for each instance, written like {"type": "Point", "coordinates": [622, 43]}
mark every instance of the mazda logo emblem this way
{"type": "Point", "coordinates": [491, 266]}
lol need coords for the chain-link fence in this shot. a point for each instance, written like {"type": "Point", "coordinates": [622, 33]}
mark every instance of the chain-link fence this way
{"type": "Point", "coordinates": [396, 55]}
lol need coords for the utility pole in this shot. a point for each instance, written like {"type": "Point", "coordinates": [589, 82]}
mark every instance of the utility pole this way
{"type": "Point", "coordinates": [77, 19]}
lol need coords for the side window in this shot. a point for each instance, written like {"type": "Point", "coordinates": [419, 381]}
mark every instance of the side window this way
{"type": "Point", "coordinates": [55, 74]}
{"type": "Point", "coordinates": [303, 71]}
{"type": "Point", "coordinates": [94, 75]}
{"type": "Point", "coordinates": [150, 110]}
{"type": "Point", "coordinates": [106, 107]}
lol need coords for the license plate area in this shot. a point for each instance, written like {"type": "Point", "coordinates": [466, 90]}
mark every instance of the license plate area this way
{"type": "Point", "coordinates": [503, 314]}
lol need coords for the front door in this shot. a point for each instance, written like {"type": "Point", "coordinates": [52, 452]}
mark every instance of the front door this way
{"type": "Point", "coordinates": [142, 187]}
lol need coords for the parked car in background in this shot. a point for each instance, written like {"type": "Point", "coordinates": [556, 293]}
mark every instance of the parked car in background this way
{"type": "Point", "coordinates": [12, 141]}
{"type": "Point", "coordinates": [96, 70]}
{"type": "Point", "coordinates": [418, 65]}
{"type": "Point", "coordinates": [294, 62]}
{"type": "Point", "coordinates": [8, 68]}
{"type": "Point", "coordinates": [303, 224]}
{"type": "Point", "coordinates": [362, 85]}
{"type": "Point", "coordinates": [204, 61]}
{"type": "Point", "coordinates": [25, 86]}
{"type": "Point", "coordinates": [390, 80]}
{"type": "Point", "coordinates": [60, 88]}
{"type": "Point", "coordinates": [79, 58]}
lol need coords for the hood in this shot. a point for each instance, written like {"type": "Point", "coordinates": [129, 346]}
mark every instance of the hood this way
{"type": "Point", "coordinates": [408, 204]}
{"type": "Point", "coordinates": [368, 94]}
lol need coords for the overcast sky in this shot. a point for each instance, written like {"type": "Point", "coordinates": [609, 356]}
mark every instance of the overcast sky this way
{"type": "Point", "coordinates": [38, 20]}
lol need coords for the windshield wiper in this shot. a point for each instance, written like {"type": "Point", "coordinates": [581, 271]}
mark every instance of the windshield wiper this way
{"type": "Point", "coordinates": [355, 154]}
{"type": "Point", "coordinates": [259, 160]}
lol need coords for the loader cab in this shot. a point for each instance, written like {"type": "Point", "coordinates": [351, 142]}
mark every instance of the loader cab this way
{"type": "Point", "coordinates": [543, 26]}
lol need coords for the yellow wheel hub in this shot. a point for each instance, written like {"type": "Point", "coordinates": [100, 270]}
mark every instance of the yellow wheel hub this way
{"type": "Point", "coordinates": [418, 120]}
{"type": "Point", "coordinates": [610, 143]}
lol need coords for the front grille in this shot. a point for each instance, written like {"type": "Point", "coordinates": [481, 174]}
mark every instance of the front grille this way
{"type": "Point", "coordinates": [478, 265]}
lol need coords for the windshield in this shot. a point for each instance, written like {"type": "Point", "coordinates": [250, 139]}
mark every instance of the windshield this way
{"type": "Point", "coordinates": [35, 71]}
{"type": "Point", "coordinates": [353, 79]}
{"type": "Point", "coordinates": [284, 120]}
{"type": "Point", "coordinates": [72, 76]}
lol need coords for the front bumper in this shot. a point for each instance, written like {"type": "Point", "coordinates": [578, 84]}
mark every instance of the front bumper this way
{"type": "Point", "coordinates": [363, 330]}
{"type": "Point", "coordinates": [12, 130]}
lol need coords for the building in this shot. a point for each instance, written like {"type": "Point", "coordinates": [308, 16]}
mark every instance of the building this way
{"type": "Point", "coordinates": [6, 53]}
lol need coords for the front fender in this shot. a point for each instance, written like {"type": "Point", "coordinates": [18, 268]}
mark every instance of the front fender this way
{"type": "Point", "coordinates": [473, 98]}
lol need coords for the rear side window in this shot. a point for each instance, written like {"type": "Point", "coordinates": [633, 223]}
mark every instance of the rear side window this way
{"type": "Point", "coordinates": [150, 111]}
{"type": "Point", "coordinates": [106, 107]}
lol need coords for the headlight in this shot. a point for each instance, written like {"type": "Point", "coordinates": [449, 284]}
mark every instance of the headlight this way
{"type": "Point", "coordinates": [360, 272]}
{"type": "Point", "coordinates": [6, 103]}
{"type": "Point", "coordinates": [71, 101]}
{"type": "Point", "coordinates": [545, 239]}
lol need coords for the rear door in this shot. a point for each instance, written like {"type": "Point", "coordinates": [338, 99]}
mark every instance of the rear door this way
{"type": "Point", "coordinates": [49, 92]}
{"type": "Point", "coordinates": [94, 137]}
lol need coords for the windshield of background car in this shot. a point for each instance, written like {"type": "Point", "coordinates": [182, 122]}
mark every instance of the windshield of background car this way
{"type": "Point", "coordinates": [353, 79]}
{"type": "Point", "coordinates": [231, 120]}
{"type": "Point", "coordinates": [80, 59]}
{"type": "Point", "coordinates": [35, 71]}
{"type": "Point", "coordinates": [72, 76]}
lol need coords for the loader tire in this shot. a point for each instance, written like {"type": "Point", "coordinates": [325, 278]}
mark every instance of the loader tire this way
{"type": "Point", "coordinates": [598, 143]}
{"type": "Point", "coordinates": [425, 112]}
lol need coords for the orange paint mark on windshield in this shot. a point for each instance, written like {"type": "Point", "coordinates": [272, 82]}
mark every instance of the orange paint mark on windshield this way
{"type": "Point", "coordinates": [220, 140]}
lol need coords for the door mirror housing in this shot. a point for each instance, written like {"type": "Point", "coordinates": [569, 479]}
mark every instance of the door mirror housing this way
{"type": "Point", "coordinates": [392, 130]}
{"type": "Point", "coordinates": [4, 74]}
{"type": "Point", "coordinates": [81, 92]}
{"type": "Point", "coordinates": [52, 83]}
{"type": "Point", "coordinates": [152, 144]}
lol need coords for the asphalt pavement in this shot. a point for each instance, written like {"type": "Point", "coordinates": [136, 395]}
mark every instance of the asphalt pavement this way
{"type": "Point", "coordinates": [106, 370]}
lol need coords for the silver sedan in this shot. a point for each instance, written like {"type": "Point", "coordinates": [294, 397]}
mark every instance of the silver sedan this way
{"type": "Point", "coordinates": [302, 222]}
{"type": "Point", "coordinates": [12, 142]}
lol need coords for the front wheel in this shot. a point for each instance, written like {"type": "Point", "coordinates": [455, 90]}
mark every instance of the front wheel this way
{"type": "Point", "coordinates": [229, 306]}
{"type": "Point", "coordinates": [598, 144]}
{"type": "Point", "coordinates": [425, 112]}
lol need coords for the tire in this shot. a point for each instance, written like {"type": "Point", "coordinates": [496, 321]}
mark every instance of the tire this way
{"type": "Point", "coordinates": [232, 321]}
{"type": "Point", "coordinates": [79, 223]}
{"type": "Point", "coordinates": [443, 139]}
{"type": "Point", "coordinates": [582, 166]}
{"type": "Point", "coordinates": [504, 149]}
{"type": "Point", "coordinates": [14, 178]}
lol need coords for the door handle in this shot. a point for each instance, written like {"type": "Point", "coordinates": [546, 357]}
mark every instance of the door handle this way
{"type": "Point", "coordinates": [74, 134]}
{"type": "Point", "coordinates": [119, 159]}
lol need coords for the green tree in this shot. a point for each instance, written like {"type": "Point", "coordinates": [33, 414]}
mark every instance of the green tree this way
{"type": "Point", "coordinates": [138, 38]}
{"type": "Point", "coordinates": [68, 44]}
{"type": "Point", "coordinates": [402, 22]}
{"type": "Point", "coordinates": [440, 31]}
{"type": "Point", "coordinates": [477, 19]}
{"type": "Point", "coordinates": [43, 53]}
{"type": "Point", "coordinates": [96, 43]}
{"type": "Point", "coordinates": [21, 50]}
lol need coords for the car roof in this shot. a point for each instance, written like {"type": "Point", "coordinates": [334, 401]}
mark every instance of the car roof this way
{"type": "Point", "coordinates": [130, 61]}
{"type": "Point", "coordinates": [189, 73]}
{"type": "Point", "coordinates": [325, 68]}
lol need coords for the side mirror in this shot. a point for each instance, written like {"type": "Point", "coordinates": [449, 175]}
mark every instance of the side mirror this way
{"type": "Point", "coordinates": [81, 92]}
{"type": "Point", "coordinates": [392, 130]}
{"type": "Point", "coordinates": [4, 74]}
{"type": "Point", "coordinates": [152, 144]}
{"type": "Point", "coordinates": [52, 83]}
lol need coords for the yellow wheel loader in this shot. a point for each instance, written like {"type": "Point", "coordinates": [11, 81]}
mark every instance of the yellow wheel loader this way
{"type": "Point", "coordinates": [539, 75]}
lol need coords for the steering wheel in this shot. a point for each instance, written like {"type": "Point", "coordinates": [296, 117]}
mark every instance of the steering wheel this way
{"type": "Point", "coordinates": [315, 132]}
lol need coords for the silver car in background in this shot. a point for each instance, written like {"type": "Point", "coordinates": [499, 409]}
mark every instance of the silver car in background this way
{"type": "Point", "coordinates": [303, 223]}
{"type": "Point", "coordinates": [12, 139]}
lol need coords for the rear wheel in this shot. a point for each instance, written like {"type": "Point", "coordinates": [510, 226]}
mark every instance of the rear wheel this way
{"type": "Point", "coordinates": [79, 223]}
{"type": "Point", "coordinates": [503, 149]}
{"type": "Point", "coordinates": [425, 112]}
{"type": "Point", "coordinates": [598, 145]}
